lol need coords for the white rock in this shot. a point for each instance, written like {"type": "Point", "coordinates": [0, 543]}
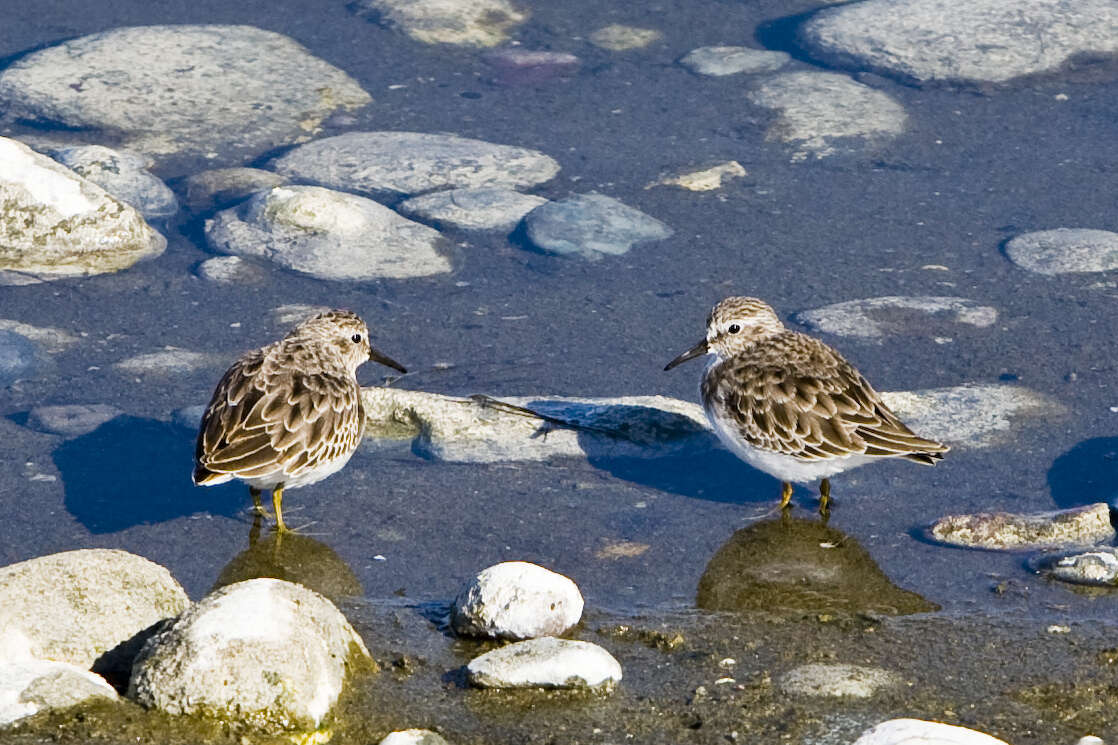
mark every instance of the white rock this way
{"type": "Point", "coordinates": [971, 416]}
{"type": "Point", "coordinates": [982, 41]}
{"type": "Point", "coordinates": [474, 23]}
{"type": "Point", "coordinates": [481, 208]}
{"type": "Point", "coordinates": [29, 685]}
{"type": "Point", "coordinates": [71, 420]}
{"type": "Point", "coordinates": [516, 600]}
{"type": "Point", "coordinates": [180, 89]}
{"type": "Point", "coordinates": [1097, 567]}
{"type": "Point", "coordinates": [1004, 531]}
{"type": "Point", "coordinates": [814, 109]}
{"type": "Point", "coordinates": [706, 179]}
{"type": "Point", "coordinates": [395, 163]}
{"type": "Point", "coordinates": [123, 174]}
{"type": "Point", "coordinates": [877, 317]}
{"type": "Point", "coordinates": [618, 38]}
{"type": "Point", "coordinates": [167, 361]}
{"type": "Point", "coordinates": [57, 224]}
{"type": "Point", "coordinates": [77, 605]}
{"type": "Point", "coordinates": [1065, 250]}
{"type": "Point", "coordinates": [413, 737]}
{"type": "Point", "coordinates": [229, 270]}
{"type": "Point", "coordinates": [328, 234]}
{"type": "Point", "coordinates": [853, 681]}
{"type": "Point", "coordinates": [919, 732]}
{"type": "Point", "coordinates": [465, 430]}
{"type": "Point", "coordinates": [720, 61]}
{"type": "Point", "coordinates": [221, 187]}
{"type": "Point", "coordinates": [546, 662]}
{"type": "Point", "coordinates": [264, 652]}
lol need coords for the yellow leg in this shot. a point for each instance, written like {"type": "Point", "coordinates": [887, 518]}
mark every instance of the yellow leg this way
{"type": "Point", "coordinates": [785, 494]}
{"type": "Point", "coordinates": [825, 497]}
{"type": "Point", "coordinates": [277, 499]}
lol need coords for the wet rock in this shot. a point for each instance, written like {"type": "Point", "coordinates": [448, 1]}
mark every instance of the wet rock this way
{"type": "Point", "coordinates": [940, 41]}
{"type": "Point", "coordinates": [920, 732]}
{"type": "Point", "coordinates": [77, 605]}
{"type": "Point", "coordinates": [328, 234]}
{"type": "Point", "coordinates": [516, 600]}
{"type": "Point", "coordinates": [71, 420]}
{"type": "Point", "coordinates": [707, 179]}
{"type": "Point", "coordinates": [483, 208]}
{"type": "Point", "coordinates": [57, 224]}
{"type": "Point", "coordinates": [211, 190]}
{"type": "Point", "coordinates": [19, 357]}
{"type": "Point", "coordinates": [720, 61]}
{"type": "Point", "coordinates": [167, 361]}
{"type": "Point", "coordinates": [180, 89]}
{"type": "Point", "coordinates": [546, 662]}
{"type": "Point", "coordinates": [391, 164]}
{"type": "Point", "coordinates": [852, 681]}
{"type": "Point", "coordinates": [516, 66]}
{"type": "Point", "coordinates": [1097, 567]}
{"type": "Point", "coordinates": [413, 737]}
{"type": "Point", "coordinates": [466, 430]}
{"type": "Point", "coordinates": [228, 270]}
{"type": "Point", "coordinates": [1002, 531]}
{"type": "Point", "coordinates": [877, 317]}
{"type": "Point", "coordinates": [264, 653]}
{"type": "Point", "coordinates": [618, 38]}
{"type": "Point", "coordinates": [29, 685]}
{"type": "Point", "coordinates": [974, 415]}
{"type": "Point", "coordinates": [473, 23]}
{"type": "Point", "coordinates": [816, 110]}
{"type": "Point", "coordinates": [590, 226]}
{"type": "Point", "coordinates": [123, 174]}
{"type": "Point", "coordinates": [1065, 250]}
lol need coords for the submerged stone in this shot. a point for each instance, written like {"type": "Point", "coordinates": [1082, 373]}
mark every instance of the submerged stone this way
{"type": "Point", "coordinates": [72, 420]}
{"type": "Point", "coordinates": [1097, 567]}
{"type": "Point", "coordinates": [1005, 531]}
{"type": "Point", "coordinates": [591, 226]}
{"type": "Point", "coordinates": [19, 357]}
{"type": "Point", "coordinates": [516, 600]}
{"type": "Point", "coordinates": [619, 38]}
{"type": "Point", "coordinates": [516, 66]}
{"type": "Point", "coordinates": [123, 174]}
{"type": "Point", "coordinates": [1065, 251]}
{"type": "Point", "coordinates": [719, 61]}
{"type": "Point", "coordinates": [222, 187]}
{"type": "Point", "coordinates": [481, 208]}
{"type": "Point", "coordinates": [472, 23]}
{"type": "Point", "coordinates": [877, 317]}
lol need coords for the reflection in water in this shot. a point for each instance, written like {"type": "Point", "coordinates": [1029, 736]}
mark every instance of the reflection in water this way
{"type": "Point", "coordinates": [790, 564]}
{"type": "Point", "coordinates": [292, 557]}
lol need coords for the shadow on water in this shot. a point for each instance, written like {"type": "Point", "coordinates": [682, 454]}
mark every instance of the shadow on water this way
{"type": "Point", "coordinates": [793, 565]}
{"type": "Point", "coordinates": [1087, 473]}
{"type": "Point", "coordinates": [716, 475]}
{"type": "Point", "coordinates": [132, 471]}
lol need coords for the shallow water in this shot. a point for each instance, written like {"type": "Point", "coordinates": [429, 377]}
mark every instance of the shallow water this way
{"type": "Point", "coordinates": [973, 170]}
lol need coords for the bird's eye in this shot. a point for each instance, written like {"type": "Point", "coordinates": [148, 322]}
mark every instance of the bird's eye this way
{"type": "Point", "coordinates": [356, 338]}
{"type": "Point", "coordinates": [734, 328]}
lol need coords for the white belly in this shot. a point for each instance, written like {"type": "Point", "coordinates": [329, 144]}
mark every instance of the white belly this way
{"type": "Point", "coordinates": [303, 479]}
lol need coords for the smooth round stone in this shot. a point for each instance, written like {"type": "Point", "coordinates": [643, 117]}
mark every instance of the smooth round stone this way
{"type": "Point", "coordinates": [1097, 567]}
{"type": "Point", "coordinates": [1081, 526]}
{"type": "Point", "coordinates": [982, 41]}
{"type": "Point", "coordinates": [472, 23]}
{"type": "Point", "coordinates": [221, 187]}
{"type": "Point", "coordinates": [619, 38]}
{"type": "Point", "coordinates": [413, 737]}
{"type": "Point", "coordinates": [29, 685]}
{"type": "Point", "coordinates": [390, 164]}
{"type": "Point", "coordinates": [264, 652]}
{"type": "Point", "coordinates": [853, 681]}
{"type": "Point", "coordinates": [71, 420]}
{"type": "Point", "coordinates": [920, 732]}
{"type": "Point", "coordinates": [229, 270]}
{"type": "Point", "coordinates": [180, 89]}
{"type": "Point", "coordinates": [719, 61]}
{"type": "Point", "coordinates": [123, 174]}
{"type": "Point", "coordinates": [328, 234]}
{"type": "Point", "coordinates": [77, 605]}
{"type": "Point", "coordinates": [484, 208]}
{"type": "Point", "coordinates": [878, 317]}
{"type": "Point", "coordinates": [591, 226]}
{"type": "Point", "coordinates": [19, 357]}
{"type": "Point", "coordinates": [1065, 251]}
{"type": "Point", "coordinates": [57, 224]}
{"type": "Point", "coordinates": [814, 109]}
{"type": "Point", "coordinates": [516, 66]}
{"type": "Point", "coordinates": [516, 600]}
{"type": "Point", "coordinates": [546, 662]}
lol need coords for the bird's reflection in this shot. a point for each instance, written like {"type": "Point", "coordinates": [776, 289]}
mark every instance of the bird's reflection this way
{"type": "Point", "coordinates": [800, 566]}
{"type": "Point", "coordinates": [293, 557]}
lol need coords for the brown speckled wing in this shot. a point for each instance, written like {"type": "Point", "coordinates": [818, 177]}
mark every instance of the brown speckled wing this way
{"type": "Point", "coordinates": [794, 395]}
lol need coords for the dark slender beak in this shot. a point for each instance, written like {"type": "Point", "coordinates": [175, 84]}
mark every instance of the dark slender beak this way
{"type": "Point", "coordinates": [696, 351]}
{"type": "Point", "coordinates": [377, 356]}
